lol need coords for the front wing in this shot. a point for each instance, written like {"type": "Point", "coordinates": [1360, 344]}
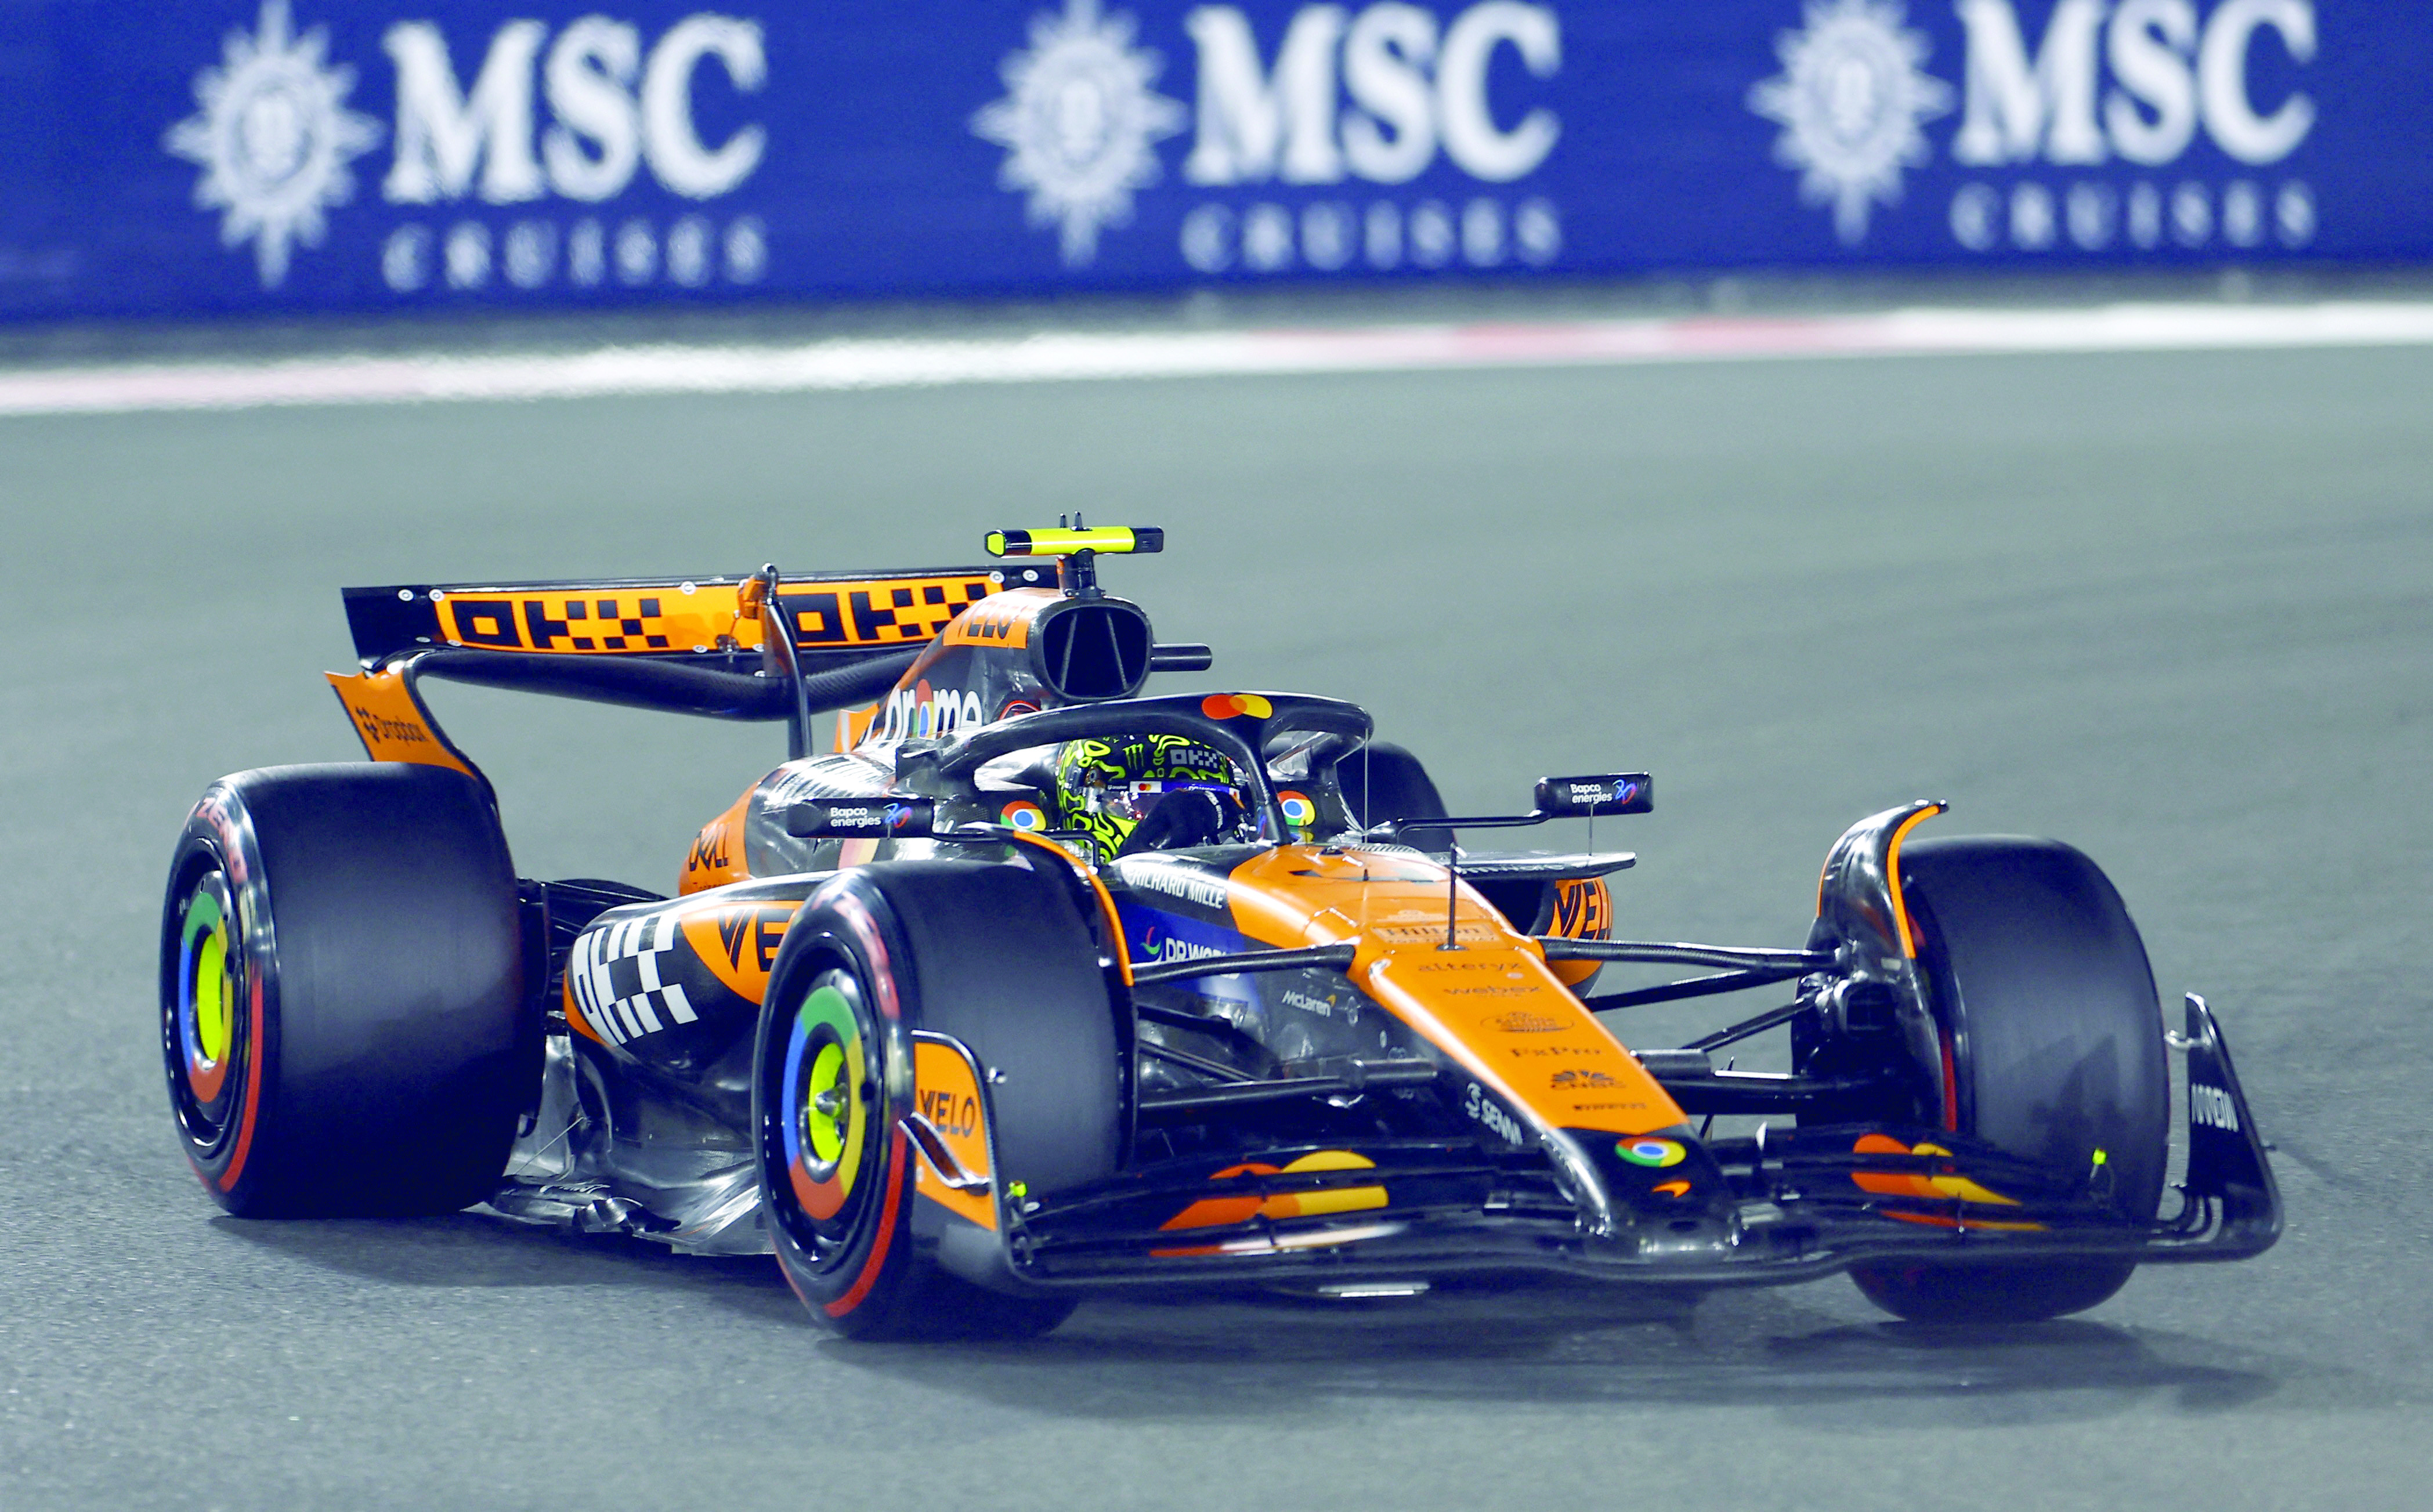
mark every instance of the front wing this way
{"type": "Point", "coordinates": [1810, 1201]}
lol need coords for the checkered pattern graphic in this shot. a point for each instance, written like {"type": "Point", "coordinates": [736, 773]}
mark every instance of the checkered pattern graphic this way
{"type": "Point", "coordinates": [614, 971]}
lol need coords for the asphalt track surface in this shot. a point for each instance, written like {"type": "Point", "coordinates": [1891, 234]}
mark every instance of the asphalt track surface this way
{"type": "Point", "coordinates": [2175, 608]}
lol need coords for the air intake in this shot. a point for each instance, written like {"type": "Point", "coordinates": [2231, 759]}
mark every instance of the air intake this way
{"type": "Point", "coordinates": [1089, 649]}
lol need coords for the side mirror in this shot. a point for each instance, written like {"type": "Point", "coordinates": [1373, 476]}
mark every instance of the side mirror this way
{"type": "Point", "coordinates": [1619, 793]}
{"type": "Point", "coordinates": [881, 819]}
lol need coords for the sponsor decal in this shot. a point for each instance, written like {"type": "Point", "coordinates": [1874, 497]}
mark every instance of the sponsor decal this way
{"type": "Point", "coordinates": [1583, 909]}
{"type": "Point", "coordinates": [923, 713]}
{"type": "Point", "coordinates": [1016, 708]}
{"type": "Point", "coordinates": [1657, 1152]}
{"type": "Point", "coordinates": [1079, 122]}
{"type": "Point", "coordinates": [1177, 881]}
{"type": "Point", "coordinates": [1023, 815]}
{"type": "Point", "coordinates": [1578, 1080]}
{"type": "Point", "coordinates": [1852, 98]}
{"type": "Point", "coordinates": [708, 849]}
{"type": "Point", "coordinates": [2078, 137]}
{"type": "Point", "coordinates": [1537, 1052]}
{"type": "Point", "coordinates": [1228, 706]}
{"type": "Point", "coordinates": [959, 1115]}
{"type": "Point", "coordinates": [1491, 1116]}
{"type": "Point", "coordinates": [1324, 1007]}
{"type": "Point", "coordinates": [1369, 98]}
{"type": "Point", "coordinates": [1299, 813]}
{"type": "Point", "coordinates": [2212, 1107]}
{"type": "Point", "coordinates": [274, 139]}
{"type": "Point", "coordinates": [378, 728]}
{"type": "Point", "coordinates": [1491, 990]}
{"type": "Point", "coordinates": [557, 127]}
{"type": "Point", "coordinates": [1469, 931]}
{"type": "Point", "coordinates": [1163, 936]}
{"type": "Point", "coordinates": [1520, 1020]}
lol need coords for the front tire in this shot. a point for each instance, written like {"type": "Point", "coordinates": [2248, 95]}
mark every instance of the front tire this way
{"type": "Point", "coordinates": [343, 1021]}
{"type": "Point", "coordinates": [994, 955]}
{"type": "Point", "coordinates": [2043, 992]}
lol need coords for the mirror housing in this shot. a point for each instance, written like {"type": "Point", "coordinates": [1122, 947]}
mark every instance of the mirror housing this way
{"type": "Point", "coordinates": [1615, 792]}
{"type": "Point", "coordinates": [862, 819]}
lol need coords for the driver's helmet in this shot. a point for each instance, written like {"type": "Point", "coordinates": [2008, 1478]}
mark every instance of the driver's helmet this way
{"type": "Point", "coordinates": [1108, 785]}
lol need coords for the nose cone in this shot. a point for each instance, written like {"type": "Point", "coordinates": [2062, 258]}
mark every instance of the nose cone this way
{"type": "Point", "coordinates": [1666, 1196]}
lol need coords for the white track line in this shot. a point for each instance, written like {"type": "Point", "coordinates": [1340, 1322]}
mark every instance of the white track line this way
{"type": "Point", "coordinates": [896, 364]}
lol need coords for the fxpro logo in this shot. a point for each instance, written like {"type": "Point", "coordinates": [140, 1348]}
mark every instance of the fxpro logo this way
{"type": "Point", "coordinates": [1359, 101]}
{"type": "Point", "coordinates": [2080, 129]}
{"type": "Point", "coordinates": [547, 121]}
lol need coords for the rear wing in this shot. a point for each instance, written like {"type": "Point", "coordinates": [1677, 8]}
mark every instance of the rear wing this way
{"type": "Point", "coordinates": [835, 616]}
{"type": "Point", "coordinates": [690, 645]}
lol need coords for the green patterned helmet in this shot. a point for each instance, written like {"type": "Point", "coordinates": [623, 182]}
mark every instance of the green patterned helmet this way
{"type": "Point", "coordinates": [1108, 785]}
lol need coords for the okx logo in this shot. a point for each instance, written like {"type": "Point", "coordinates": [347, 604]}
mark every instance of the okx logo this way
{"type": "Point", "coordinates": [518, 153]}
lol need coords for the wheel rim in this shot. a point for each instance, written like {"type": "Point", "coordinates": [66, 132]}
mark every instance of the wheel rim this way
{"type": "Point", "coordinates": [202, 1038]}
{"type": "Point", "coordinates": [826, 1113]}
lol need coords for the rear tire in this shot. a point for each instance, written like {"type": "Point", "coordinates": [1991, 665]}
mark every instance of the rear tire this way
{"type": "Point", "coordinates": [2041, 986]}
{"type": "Point", "coordinates": [992, 954]}
{"type": "Point", "coordinates": [342, 1019]}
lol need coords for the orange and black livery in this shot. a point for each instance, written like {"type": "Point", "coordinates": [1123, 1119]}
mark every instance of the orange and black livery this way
{"type": "Point", "coordinates": [1017, 982]}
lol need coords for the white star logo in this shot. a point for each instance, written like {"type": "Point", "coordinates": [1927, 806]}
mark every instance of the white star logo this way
{"type": "Point", "coordinates": [1852, 99]}
{"type": "Point", "coordinates": [274, 138]}
{"type": "Point", "coordinates": [1079, 120]}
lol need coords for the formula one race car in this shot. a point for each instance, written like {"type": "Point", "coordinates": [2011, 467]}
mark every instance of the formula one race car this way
{"type": "Point", "coordinates": [1037, 987]}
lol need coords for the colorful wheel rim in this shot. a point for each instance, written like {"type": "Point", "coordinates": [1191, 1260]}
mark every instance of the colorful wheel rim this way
{"type": "Point", "coordinates": [827, 1105]}
{"type": "Point", "coordinates": [203, 1042]}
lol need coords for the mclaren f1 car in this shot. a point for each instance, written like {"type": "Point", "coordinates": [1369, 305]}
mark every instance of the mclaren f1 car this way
{"type": "Point", "coordinates": [1036, 985]}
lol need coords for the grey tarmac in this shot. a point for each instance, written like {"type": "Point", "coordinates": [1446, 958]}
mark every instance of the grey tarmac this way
{"type": "Point", "coordinates": [2175, 609]}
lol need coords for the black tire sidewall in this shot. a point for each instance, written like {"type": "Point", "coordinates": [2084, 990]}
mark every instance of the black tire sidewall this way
{"type": "Point", "coordinates": [2038, 974]}
{"type": "Point", "coordinates": [2041, 986]}
{"type": "Point", "coordinates": [996, 956]}
{"type": "Point", "coordinates": [386, 1052]}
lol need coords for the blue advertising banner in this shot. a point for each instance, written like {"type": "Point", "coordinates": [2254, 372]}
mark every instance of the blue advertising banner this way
{"type": "Point", "coordinates": [364, 155]}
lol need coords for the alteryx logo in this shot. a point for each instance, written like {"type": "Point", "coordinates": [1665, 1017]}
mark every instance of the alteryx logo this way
{"type": "Point", "coordinates": [1365, 100]}
{"type": "Point", "coordinates": [524, 117]}
{"type": "Point", "coordinates": [2086, 125]}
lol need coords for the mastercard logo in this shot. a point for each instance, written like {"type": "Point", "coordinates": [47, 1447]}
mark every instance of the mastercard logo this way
{"type": "Point", "coordinates": [1026, 817]}
{"type": "Point", "coordinates": [1651, 1151]}
{"type": "Point", "coordinates": [1227, 706]}
{"type": "Point", "coordinates": [1299, 811]}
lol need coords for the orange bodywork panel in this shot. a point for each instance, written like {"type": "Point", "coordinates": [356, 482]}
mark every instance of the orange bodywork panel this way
{"type": "Point", "coordinates": [1491, 1004]}
{"type": "Point", "coordinates": [660, 617]}
{"type": "Point", "coordinates": [947, 1094]}
{"type": "Point", "coordinates": [392, 722]}
{"type": "Point", "coordinates": [1583, 911]}
{"type": "Point", "coordinates": [1002, 619]}
{"type": "Point", "coordinates": [717, 855]}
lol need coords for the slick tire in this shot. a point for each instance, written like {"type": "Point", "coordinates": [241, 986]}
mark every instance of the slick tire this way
{"type": "Point", "coordinates": [997, 956]}
{"type": "Point", "coordinates": [343, 1016]}
{"type": "Point", "coordinates": [2041, 986]}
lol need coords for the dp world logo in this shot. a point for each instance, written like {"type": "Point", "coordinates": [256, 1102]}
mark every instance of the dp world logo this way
{"type": "Point", "coordinates": [1080, 122]}
{"type": "Point", "coordinates": [1852, 99]}
{"type": "Point", "coordinates": [274, 138]}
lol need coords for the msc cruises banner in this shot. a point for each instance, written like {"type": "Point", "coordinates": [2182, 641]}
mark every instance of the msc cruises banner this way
{"type": "Point", "coordinates": [300, 155]}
